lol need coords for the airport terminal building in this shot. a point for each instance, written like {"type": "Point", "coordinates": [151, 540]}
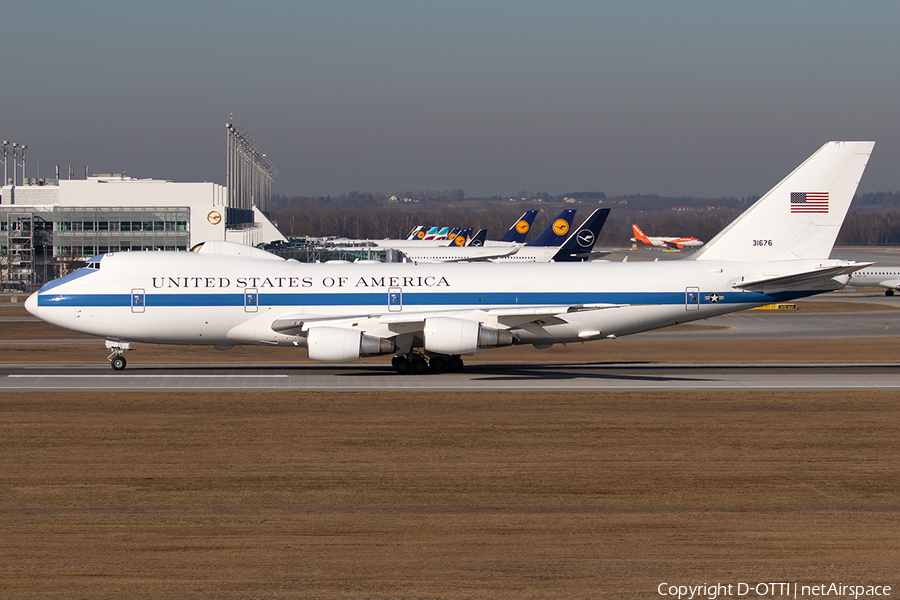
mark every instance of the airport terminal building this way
{"type": "Point", "coordinates": [48, 227]}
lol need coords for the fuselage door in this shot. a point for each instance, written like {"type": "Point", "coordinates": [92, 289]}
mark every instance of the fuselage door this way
{"type": "Point", "coordinates": [692, 298]}
{"type": "Point", "coordinates": [137, 300]}
{"type": "Point", "coordinates": [395, 299]}
{"type": "Point", "coordinates": [251, 300]}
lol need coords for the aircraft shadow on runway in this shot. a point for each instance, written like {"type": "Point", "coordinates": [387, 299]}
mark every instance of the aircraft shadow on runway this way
{"type": "Point", "coordinates": [479, 372]}
{"type": "Point", "coordinates": [631, 371]}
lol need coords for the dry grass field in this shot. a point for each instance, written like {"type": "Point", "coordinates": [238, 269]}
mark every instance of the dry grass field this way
{"type": "Point", "coordinates": [444, 495]}
{"type": "Point", "coordinates": [476, 495]}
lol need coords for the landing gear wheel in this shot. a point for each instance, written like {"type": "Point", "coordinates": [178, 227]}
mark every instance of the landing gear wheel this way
{"type": "Point", "coordinates": [455, 364]}
{"type": "Point", "coordinates": [438, 364]}
{"type": "Point", "coordinates": [419, 365]}
{"type": "Point", "coordinates": [118, 363]}
{"type": "Point", "coordinates": [889, 292]}
{"type": "Point", "coordinates": [401, 365]}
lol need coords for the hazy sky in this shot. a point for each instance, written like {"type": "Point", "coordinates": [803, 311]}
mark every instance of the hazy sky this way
{"type": "Point", "coordinates": [688, 98]}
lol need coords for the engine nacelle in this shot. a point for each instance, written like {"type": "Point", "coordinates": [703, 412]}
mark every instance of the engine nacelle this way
{"type": "Point", "coordinates": [340, 344]}
{"type": "Point", "coordinates": [446, 335]}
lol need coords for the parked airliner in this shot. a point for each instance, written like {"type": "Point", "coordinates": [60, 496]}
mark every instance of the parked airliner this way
{"type": "Point", "coordinates": [430, 315]}
{"type": "Point", "coordinates": [678, 243]}
{"type": "Point", "coordinates": [878, 276]}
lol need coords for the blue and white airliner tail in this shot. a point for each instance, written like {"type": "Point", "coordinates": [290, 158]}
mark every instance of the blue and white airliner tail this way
{"type": "Point", "coordinates": [557, 231]}
{"type": "Point", "coordinates": [517, 233]}
{"type": "Point", "coordinates": [430, 315]}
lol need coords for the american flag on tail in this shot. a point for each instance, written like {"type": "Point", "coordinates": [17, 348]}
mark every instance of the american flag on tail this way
{"type": "Point", "coordinates": [809, 202]}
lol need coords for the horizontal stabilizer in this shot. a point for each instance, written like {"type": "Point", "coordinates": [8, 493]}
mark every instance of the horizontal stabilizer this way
{"type": "Point", "coordinates": [807, 278]}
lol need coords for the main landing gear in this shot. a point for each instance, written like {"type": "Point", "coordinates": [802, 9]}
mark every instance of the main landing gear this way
{"type": "Point", "coordinates": [419, 364]}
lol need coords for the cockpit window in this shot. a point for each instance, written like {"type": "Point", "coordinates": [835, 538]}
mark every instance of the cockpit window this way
{"type": "Point", "coordinates": [90, 265]}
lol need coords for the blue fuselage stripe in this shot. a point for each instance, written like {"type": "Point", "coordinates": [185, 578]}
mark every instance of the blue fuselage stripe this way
{"type": "Point", "coordinates": [410, 299]}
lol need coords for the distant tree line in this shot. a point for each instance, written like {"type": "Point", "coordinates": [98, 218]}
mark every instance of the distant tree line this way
{"type": "Point", "coordinates": [874, 219]}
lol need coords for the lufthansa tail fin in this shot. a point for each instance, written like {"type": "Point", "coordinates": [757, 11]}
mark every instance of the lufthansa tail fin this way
{"type": "Point", "coordinates": [800, 217]}
{"type": "Point", "coordinates": [478, 238]}
{"type": "Point", "coordinates": [581, 242]}
{"type": "Point", "coordinates": [460, 237]}
{"type": "Point", "coordinates": [557, 232]}
{"type": "Point", "coordinates": [516, 234]}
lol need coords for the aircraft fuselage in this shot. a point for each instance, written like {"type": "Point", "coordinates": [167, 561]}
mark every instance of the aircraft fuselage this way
{"type": "Point", "coordinates": [186, 298]}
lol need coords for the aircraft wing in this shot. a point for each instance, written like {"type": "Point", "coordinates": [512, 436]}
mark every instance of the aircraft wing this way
{"type": "Point", "coordinates": [509, 317]}
{"type": "Point", "coordinates": [497, 252]}
{"type": "Point", "coordinates": [585, 256]}
{"type": "Point", "coordinates": [454, 254]}
{"type": "Point", "coordinates": [298, 324]}
{"type": "Point", "coordinates": [821, 276]}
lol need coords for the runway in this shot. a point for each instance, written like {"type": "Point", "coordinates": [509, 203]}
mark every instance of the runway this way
{"type": "Point", "coordinates": [493, 377]}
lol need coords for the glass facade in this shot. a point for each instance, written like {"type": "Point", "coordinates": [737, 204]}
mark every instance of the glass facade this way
{"type": "Point", "coordinates": [39, 244]}
{"type": "Point", "coordinates": [84, 232]}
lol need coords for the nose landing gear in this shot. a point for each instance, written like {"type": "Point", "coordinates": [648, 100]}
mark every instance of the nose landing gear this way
{"type": "Point", "coordinates": [116, 360]}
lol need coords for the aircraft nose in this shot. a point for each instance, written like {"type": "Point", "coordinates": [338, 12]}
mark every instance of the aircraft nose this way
{"type": "Point", "coordinates": [31, 304]}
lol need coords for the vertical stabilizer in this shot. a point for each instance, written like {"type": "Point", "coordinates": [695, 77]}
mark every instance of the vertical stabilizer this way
{"type": "Point", "coordinates": [478, 239]}
{"type": "Point", "coordinates": [557, 231]}
{"type": "Point", "coordinates": [520, 229]}
{"type": "Point", "coordinates": [581, 242]}
{"type": "Point", "coordinates": [800, 217]}
{"type": "Point", "coordinates": [640, 236]}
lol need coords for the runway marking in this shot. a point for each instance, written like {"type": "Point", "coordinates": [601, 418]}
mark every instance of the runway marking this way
{"type": "Point", "coordinates": [106, 375]}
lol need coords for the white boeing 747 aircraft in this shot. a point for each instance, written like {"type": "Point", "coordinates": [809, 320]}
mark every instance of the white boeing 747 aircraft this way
{"type": "Point", "coordinates": [432, 314]}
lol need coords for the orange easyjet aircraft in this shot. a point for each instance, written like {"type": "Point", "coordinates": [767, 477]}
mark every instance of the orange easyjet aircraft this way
{"type": "Point", "coordinates": [669, 242]}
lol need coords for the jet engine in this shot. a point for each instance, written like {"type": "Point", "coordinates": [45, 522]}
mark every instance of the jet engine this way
{"type": "Point", "coordinates": [446, 335]}
{"type": "Point", "coordinates": [340, 344]}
